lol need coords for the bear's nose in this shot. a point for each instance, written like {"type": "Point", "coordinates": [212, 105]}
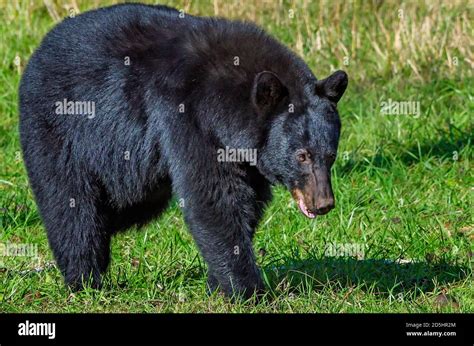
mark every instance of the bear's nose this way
{"type": "Point", "coordinates": [323, 206]}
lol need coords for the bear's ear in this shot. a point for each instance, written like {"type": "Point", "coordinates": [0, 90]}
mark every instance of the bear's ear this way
{"type": "Point", "coordinates": [267, 92]}
{"type": "Point", "coordinates": [332, 87]}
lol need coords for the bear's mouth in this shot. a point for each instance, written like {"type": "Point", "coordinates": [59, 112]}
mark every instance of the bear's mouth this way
{"type": "Point", "coordinates": [299, 197]}
{"type": "Point", "coordinates": [304, 209]}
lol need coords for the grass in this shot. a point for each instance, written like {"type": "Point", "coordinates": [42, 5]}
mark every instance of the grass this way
{"type": "Point", "coordinates": [401, 236]}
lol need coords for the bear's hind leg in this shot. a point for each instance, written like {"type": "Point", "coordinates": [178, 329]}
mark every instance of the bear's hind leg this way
{"type": "Point", "coordinates": [79, 236]}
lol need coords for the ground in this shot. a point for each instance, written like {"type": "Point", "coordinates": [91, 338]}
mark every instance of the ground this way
{"type": "Point", "coordinates": [401, 236]}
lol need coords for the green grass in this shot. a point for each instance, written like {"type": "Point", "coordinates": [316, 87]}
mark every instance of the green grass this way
{"type": "Point", "coordinates": [403, 184]}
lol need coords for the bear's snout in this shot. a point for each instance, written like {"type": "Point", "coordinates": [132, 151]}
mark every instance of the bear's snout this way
{"type": "Point", "coordinates": [316, 197]}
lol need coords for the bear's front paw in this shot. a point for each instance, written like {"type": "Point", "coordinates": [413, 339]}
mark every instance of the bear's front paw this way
{"type": "Point", "coordinates": [236, 289]}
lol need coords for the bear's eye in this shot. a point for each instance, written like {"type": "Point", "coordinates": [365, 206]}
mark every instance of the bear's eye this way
{"type": "Point", "coordinates": [303, 156]}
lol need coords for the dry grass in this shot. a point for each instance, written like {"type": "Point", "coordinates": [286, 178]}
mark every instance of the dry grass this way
{"type": "Point", "coordinates": [370, 39]}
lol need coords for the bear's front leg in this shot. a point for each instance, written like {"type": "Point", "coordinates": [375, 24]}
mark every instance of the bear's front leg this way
{"type": "Point", "coordinates": [221, 214]}
{"type": "Point", "coordinates": [228, 253]}
{"type": "Point", "coordinates": [220, 205]}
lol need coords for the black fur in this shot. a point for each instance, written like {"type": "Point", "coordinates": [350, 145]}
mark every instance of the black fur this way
{"type": "Point", "coordinates": [86, 188]}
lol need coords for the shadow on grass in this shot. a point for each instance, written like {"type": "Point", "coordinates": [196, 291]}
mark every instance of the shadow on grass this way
{"type": "Point", "coordinates": [379, 276]}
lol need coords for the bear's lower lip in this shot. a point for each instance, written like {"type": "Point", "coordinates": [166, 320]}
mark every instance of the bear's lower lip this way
{"type": "Point", "coordinates": [305, 210]}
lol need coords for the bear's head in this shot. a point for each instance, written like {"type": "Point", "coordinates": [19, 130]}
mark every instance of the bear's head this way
{"type": "Point", "coordinates": [302, 139]}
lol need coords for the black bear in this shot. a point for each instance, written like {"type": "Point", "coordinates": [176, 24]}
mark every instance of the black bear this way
{"type": "Point", "coordinates": [125, 106]}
